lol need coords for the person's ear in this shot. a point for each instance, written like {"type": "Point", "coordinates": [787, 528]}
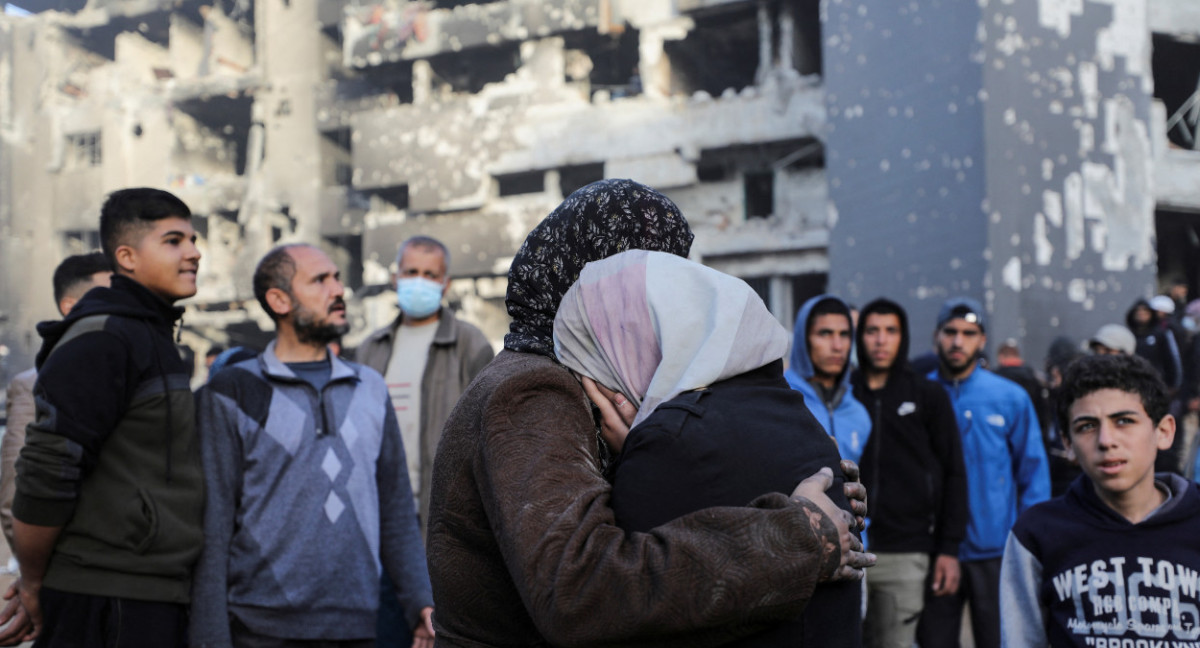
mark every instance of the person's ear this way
{"type": "Point", "coordinates": [279, 301]}
{"type": "Point", "coordinates": [1164, 432]}
{"type": "Point", "coordinates": [126, 257]}
{"type": "Point", "coordinates": [66, 304]}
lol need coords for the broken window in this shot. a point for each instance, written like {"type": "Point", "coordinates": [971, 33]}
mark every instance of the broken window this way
{"type": "Point", "coordinates": [84, 150]}
{"type": "Point", "coordinates": [336, 157]}
{"type": "Point", "coordinates": [469, 70]}
{"type": "Point", "coordinates": [807, 286]}
{"type": "Point", "coordinates": [346, 251]}
{"type": "Point", "coordinates": [1176, 69]}
{"type": "Point", "coordinates": [576, 177]}
{"type": "Point", "coordinates": [226, 117]}
{"type": "Point", "coordinates": [1178, 248]}
{"type": "Point", "coordinates": [81, 241]}
{"type": "Point", "coordinates": [608, 62]}
{"type": "Point", "coordinates": [719, 53]}
{"type": "Point", "coordinates": [389, 198]}
{"type": "Point", "coordinates": [528, 182]}
{"type": "Point", "coordinates": [759, 187]}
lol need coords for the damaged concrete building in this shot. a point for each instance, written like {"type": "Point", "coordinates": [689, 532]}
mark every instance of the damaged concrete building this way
{"type": "Point", "coordinates": [358, 123]}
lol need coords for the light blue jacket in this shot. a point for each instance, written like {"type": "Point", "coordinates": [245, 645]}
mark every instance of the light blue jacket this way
{"type": "Point", "coordinates": [1007, 469]}
{"type": "Point", "coordinates": [843, 417]}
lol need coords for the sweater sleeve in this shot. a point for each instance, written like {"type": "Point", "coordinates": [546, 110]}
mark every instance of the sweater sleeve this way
{"type": "Point", "coordinates": [402, 551]}
{"type": "Point", "coordinates": [76, 411]}
{"type": "Point", "coordinates": [700, 580]}
{"type": "Point", "coordinates": [951, 524]}
{"type": "Point", "coordinates": [222, 453]}
{"type": "Point", "coordinates": [1032, 468]}
{"type": "Point", "coordinates": [1022, 616]}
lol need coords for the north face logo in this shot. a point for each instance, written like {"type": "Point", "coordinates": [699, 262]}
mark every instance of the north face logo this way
{"type": "Point", "coordinates": [906, 408]}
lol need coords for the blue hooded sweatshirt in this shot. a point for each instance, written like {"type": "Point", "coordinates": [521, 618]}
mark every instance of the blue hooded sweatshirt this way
{"type": "Point", "coordinates": [843, 417]}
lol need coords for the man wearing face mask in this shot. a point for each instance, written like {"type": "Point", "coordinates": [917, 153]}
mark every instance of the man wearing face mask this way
{"type": "Point", "coordinates": [428, 357]}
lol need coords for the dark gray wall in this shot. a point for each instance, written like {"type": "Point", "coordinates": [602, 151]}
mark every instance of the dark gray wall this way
{"type": "Point", "coordinates": [905, 154]}
{"type": "Point", "coordinates": [970, 152]}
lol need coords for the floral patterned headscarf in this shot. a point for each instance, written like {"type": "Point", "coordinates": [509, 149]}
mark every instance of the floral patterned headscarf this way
{"type": "Point", "coordinates": [595, 222]}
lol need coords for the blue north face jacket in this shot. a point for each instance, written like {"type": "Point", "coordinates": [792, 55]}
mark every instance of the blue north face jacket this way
{"type": "Point", "coordinates": [843, 417]}
{"type": "Point", "coordinates": [1007, 469]}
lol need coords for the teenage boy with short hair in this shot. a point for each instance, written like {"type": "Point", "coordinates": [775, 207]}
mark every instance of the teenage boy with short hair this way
{"type": "Point", "coordinates": [73, 277]}
{"type": "Point", "coordinates": [110, 492]}
{"type": "Point", "coordinates": [1114, 561]}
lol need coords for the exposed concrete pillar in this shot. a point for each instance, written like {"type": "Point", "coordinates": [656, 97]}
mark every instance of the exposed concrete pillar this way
{"type": "Point", "coordinates": [765, 31]}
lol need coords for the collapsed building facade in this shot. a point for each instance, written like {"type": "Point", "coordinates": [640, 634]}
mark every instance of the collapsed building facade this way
{"type": "Point", "coordinates": [359, 123]}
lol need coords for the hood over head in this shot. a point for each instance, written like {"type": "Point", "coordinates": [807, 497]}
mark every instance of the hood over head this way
{"type": "Point", "coordinates": [882, 305]}
{"type": "Point", "coordinates": [801, 358]}
{"type": "Point", "coordinates": [1133, 326]}
{"type": "Point", "coordinates": [595, 222]}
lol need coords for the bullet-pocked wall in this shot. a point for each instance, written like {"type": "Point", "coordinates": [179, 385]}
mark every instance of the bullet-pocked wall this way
{"type": "Point", "coordinates": [1016, 163]}
{"type": "Point", "coordinates": [906, 147]}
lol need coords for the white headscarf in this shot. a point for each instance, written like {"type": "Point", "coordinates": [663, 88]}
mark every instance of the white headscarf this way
{"type": "Point", "coordinates": [653, 325]}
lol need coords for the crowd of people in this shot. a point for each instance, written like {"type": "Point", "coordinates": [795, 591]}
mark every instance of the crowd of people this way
{"type": "Point", "coordinates": [651, 460]}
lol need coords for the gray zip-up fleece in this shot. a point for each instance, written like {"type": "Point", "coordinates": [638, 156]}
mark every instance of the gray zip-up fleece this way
{"type": "Point", "coordinates": [308, 497]}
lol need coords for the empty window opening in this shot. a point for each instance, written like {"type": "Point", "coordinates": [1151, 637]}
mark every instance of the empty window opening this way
{"type": "Point", "coordinates": [81, 241]}
{"type": "Point", "coordinates": [725, 163]}
{"type": "Point", "coordinates": [84, 150]}
{"type": "Point", "coordinates": [389, 198]}
{"type": "Point", "coordinates": [573, 178]}
{"type": "Point", "coordinates": [805, 16]}
{"type": "Point", "coordinates": [807, 286]}
{"type": "Point", "coordinates": [227, 117]}
{"type": "Point", "coordinates": [515, 184]}
{"type": "Point", "coordinates": [1178, 249]}
{"type": "Point", "coordinates": [469, 71]}
{"type": "Point", "coordinates": [607, 62]}
{"type": "Point", "coordinates": [1176, 69]}
{"type": "Point", "coordinates": [102, 39]}
{"type": "Point", "coordinates": [346, 250]}
{"type": "Point", "coordinates": [720, 52]}
{"type": "Point", "coordinates": [759, 189]}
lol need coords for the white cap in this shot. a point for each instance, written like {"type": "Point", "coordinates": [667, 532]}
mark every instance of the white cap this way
{"type": "Point", "coordinates": [1162, 304]}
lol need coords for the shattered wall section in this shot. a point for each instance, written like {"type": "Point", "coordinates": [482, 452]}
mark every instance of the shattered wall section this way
{"type": "Point", "coordinates": [1017, 166]}
{"type": "Point", "coordinates": [393, 30]}
{"type": "Point", "coordinates": [1070, 164]}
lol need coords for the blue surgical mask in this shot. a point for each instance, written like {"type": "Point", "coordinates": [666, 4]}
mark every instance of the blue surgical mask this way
{"type": "Point", "coordinates": [418, 297]}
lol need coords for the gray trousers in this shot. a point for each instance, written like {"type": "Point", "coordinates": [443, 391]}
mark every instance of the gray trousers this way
{"type": "Point", "coordinates": [895, 597]}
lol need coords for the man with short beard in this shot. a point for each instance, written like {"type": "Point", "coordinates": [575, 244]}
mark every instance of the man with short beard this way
{"type": "Point", "coordinates": [1007, 472]}
{"type": "Point", "coordinates": [307, 486]}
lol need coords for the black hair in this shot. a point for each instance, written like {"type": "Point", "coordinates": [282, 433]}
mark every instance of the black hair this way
{"type": "Point", "coordinates": [275, 270]}
{"type": "Point", "coordinates": [128, 213]}
{"type": "Point", "coordinates": [76, 270]}
{"type": "Point", "coordinates": [427, 242]}
{"type": "Point", "coordinates": [827, 306]}
{"type": "Point", "coordinates": [1127, 373]}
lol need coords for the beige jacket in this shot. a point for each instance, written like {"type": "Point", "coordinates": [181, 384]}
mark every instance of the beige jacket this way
{"type": "Point", "coordinates": [21, 410]}
{"type": "Point", "coordinates": [458, 353]}
{"type": "Point", "coordinates": [524, 550]}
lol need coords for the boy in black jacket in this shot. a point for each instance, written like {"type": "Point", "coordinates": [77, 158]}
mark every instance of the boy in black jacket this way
{"type": "Point", "coordinates": [1115, 561]}
{"type": "Point", "coordinates": [913, 469]}
{"type": "Point", "coordinates": [109, 485]}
